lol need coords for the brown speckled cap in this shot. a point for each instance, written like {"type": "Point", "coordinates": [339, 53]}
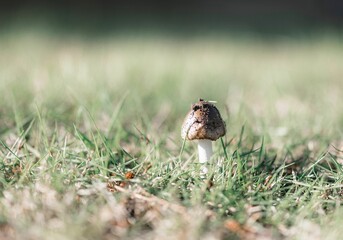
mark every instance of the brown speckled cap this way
{"type": "Point", "coordinates": [203, 121]}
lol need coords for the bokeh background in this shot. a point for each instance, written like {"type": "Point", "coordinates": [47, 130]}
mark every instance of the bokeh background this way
{"type": "Point", "coordinates": [277, 59]}
{"type": "Point", "coordinates": [106, 16]}
{"type": "Point", "coordinates": [186, 17]}
{"type": "Point", "coordinates": [269, 64]}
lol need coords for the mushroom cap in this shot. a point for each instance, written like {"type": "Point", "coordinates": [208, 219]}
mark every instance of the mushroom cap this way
{"type": "Point", "coordinates": [203, 121]}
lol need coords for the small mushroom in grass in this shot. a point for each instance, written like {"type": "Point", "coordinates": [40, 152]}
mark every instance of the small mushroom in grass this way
{"type": "Point", "coordinates": [203, 123]}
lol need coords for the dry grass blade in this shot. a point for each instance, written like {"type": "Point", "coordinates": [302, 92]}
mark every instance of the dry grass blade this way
{"type": "Point", "coordinates": [141, 194]}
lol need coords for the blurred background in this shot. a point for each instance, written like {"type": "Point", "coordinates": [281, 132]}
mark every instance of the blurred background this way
{"type": "Point", "coordinates": [183, 17]}
{"type": "Point", "coordinates": [268, 63]}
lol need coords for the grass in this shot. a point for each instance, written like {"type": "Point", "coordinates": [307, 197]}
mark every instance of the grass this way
{"type": "Point", "coordinates": [91, 148]}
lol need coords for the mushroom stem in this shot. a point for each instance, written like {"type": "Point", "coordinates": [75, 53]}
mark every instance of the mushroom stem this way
{"type": "Point", "coordinates": [204, 150]}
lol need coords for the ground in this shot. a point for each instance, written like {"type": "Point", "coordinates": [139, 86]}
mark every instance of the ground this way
{"type": "Point", "coordinates": [91, 147]}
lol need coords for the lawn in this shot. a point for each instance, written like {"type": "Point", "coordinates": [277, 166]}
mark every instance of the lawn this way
{"type": "Point", "coordinates": [90, 144]}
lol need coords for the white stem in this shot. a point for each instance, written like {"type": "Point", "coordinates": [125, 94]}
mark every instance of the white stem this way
{"type": "Point", "coordinates": [204, 150]}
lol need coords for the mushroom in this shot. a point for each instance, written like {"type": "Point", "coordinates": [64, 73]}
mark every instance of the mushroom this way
{"type": "Point", "coordinates": [203, 123]}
